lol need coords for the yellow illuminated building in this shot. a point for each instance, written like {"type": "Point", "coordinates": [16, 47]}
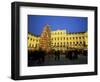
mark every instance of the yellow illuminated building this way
{"type": "Point", "coordinates": [33, 42]}
{"type": "Point", "coordinates": [61, 40]}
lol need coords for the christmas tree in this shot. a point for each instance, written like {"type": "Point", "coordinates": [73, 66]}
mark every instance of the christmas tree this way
{"type": "Point", "coordinates": [45, 39]}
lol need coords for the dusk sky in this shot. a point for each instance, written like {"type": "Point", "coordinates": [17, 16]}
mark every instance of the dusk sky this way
{"type": "Point", "coordinates": [36, 23]}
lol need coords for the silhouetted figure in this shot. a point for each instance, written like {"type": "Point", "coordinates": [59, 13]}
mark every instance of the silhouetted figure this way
{"type": "Point", "coordinates": [36, 57]}
{"type": "Point", "coordinates": [57, 55]}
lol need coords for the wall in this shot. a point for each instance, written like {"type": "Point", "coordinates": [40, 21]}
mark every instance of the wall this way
{"type": "Point", "coordinates": [5, 40]}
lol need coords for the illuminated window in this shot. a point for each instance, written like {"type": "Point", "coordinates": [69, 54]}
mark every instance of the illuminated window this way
{"type": "Point", "coordinates": [79, 37]}
{"type": "Point", "coordinates": [61, 38]}
{"type": "Point", "coordinates": [55, 43]}
{"type": "Point", "coordinates": [67, 43]}
{"type": "Point", "coordinates": [33, 45]}
{"type": "Point", "coordinates": [76, 37]}
{"type": "Point", "coordinates": [29, 45]}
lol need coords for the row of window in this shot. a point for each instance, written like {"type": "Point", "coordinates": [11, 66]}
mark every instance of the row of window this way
{"type": "Point", "coordinates": [33, 45]}
{"type": "Point", "coordinates": [55, 45]}
{"type": "Point", "coordinates": [64, 44]}
{"type": "Point", "coordinates": [59, 38]}
{"type": "Point", "coordinates": [67, 43]}
{"type": "Point", "coordinates": [33, 39]}
{"type": "Point", "coordinates": [58, 33]}
{"type": "Point", "coordinates": [68, 38]}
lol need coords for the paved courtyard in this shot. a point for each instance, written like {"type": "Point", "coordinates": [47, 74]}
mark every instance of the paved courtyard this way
{"type": "Point", "coordinates": [62, 60]}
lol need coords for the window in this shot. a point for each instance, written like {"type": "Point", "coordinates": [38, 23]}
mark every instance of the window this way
{"type": "Point", "coordinates": [79, 37]}
{"type": "Point", "coordinates": [33, 45]}
{"type": "Point", "coordinates": [64, 43]}
{"type": "Point", "coordinates": [57, 43]}
{"type": "Point", "coordinates": [80, 42]}
{"type": "Point", "coordinates": [67, 43]}
{"type": "Point", "coordinates": [29, 45]}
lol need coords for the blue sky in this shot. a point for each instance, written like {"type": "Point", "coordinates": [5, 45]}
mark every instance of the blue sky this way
{"type": "Point", "coordinates": [36, 23]}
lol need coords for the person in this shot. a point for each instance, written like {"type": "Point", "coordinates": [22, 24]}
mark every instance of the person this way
{"type": "Point", "coordinates": [57, 55]}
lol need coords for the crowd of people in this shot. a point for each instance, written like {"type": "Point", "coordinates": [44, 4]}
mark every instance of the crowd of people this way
{"type": "Point", "coordinates": [39, 56]}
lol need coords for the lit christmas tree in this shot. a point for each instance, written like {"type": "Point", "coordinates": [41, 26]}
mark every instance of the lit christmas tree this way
{"type": "Point", "coordinates": [45, 39]}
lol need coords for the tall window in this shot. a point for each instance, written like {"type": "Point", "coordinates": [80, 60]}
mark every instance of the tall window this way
{"type": "Point", "coordinates": [28, 38]}
{"type": "Point", "coordinates": [61, 38]}
{"type": "Point", "coordinates": [76, 37]}
{"type": "Point", "coordinates": [79, 37]}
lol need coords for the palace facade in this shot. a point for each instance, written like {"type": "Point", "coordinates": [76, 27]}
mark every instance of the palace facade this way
{"type": "Point", "coordinates": [57, 40]}
{"type": "Point", "coordinates": [33, 42]}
